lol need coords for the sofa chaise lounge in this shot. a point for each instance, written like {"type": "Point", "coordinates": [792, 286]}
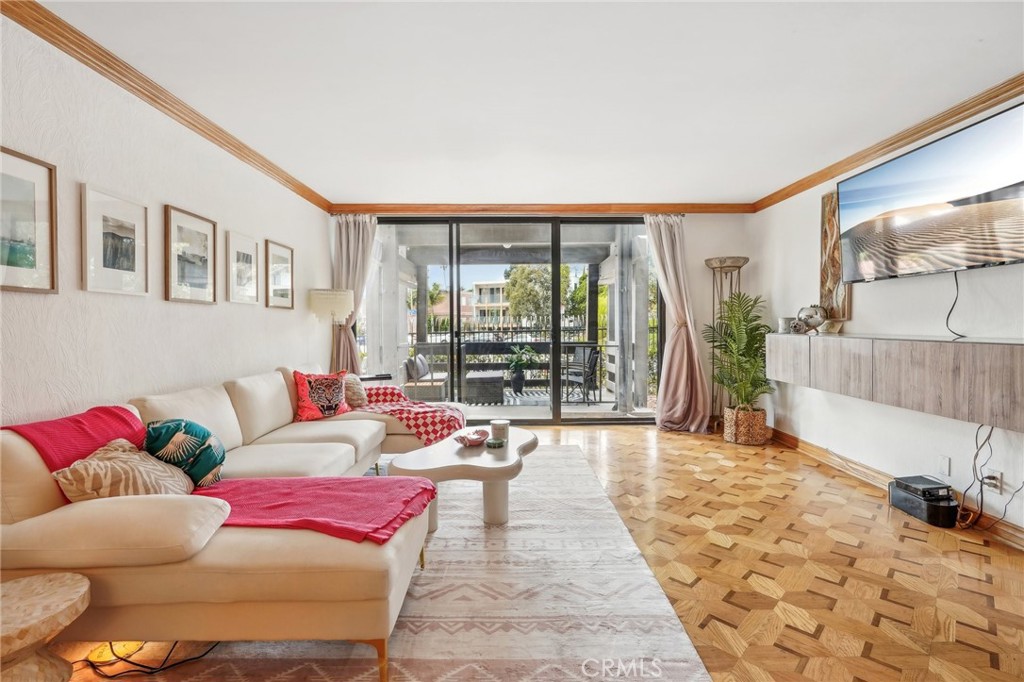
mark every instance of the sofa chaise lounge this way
{"type": "Point", "coordinates": [162, 567]}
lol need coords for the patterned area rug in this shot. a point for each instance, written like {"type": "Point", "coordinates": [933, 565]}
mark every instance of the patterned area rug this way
{"type": "Point", "coordinates": [559, 593]}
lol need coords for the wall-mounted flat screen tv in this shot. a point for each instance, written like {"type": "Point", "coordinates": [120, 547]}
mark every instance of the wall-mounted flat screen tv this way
{"type": "Point", "coordinates": [953, 204]}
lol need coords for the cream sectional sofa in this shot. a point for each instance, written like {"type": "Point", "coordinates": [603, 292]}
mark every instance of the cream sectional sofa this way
{"type": "Point", "coordinates": [163, 568]}
{"type": "Point", "coordinates": [252, 417]}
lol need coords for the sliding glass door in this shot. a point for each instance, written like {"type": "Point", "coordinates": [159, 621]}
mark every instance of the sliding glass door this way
{"type": "Point", "coordinates": [406, 322]}
{"type": "Point", "coordinates": [532, 320]}
{"type": "Point", "coordinates": [504, 344]}
{"type": "Point", "coordinates": [608, 345]}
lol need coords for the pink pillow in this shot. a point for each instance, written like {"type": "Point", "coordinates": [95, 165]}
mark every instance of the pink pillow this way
{"type": "Point", "coordinates": [320, 395]}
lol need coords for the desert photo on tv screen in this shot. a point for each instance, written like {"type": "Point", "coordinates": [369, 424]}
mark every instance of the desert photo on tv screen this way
{"type": "Point", "coordinates": [953, 204]}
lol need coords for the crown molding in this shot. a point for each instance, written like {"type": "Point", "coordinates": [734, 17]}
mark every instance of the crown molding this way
{"type": "Point", "coordinates": [536, 209]}
{"type": "Point", "coordinates": [67, 38]}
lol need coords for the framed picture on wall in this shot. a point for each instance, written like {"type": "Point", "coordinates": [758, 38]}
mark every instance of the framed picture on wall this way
{"type": "Point", "coordinates": [115, 243]}
{"type": "Point", "coordinates": [28, 224]}
{"type": "Point", "coordinates": [243, 268]}
{"type": "Point", "coordinates": [191, 247]}
{"type": "Point", "coordinates": [280, 276]}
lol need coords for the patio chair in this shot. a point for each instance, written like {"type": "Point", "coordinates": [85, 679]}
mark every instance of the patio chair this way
{"type": "Point", "coordinates": [581, 376]}
{"type": "Point", "coordinates": [421, 383]}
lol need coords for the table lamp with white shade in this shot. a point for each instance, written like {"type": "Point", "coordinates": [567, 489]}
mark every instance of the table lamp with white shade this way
{"type": "Point", "coordinates": [336, 304]}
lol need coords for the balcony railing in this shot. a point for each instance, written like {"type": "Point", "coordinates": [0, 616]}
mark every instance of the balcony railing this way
{"type": "Point", "coordinates": [488, 348]}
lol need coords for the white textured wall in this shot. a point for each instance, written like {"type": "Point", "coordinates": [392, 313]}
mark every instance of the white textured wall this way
{"type": "Point", "coordinates": [896, 441]}
{"type": "Point", "coordinates": [63, 353]}
{"type": "Point", "coordinates": [707, 236]}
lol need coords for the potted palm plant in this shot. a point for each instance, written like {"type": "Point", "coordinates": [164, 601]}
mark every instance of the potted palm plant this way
{"type": "Point", "coordinates": [522, 357]}
{"type": "Point", "coordinates": [737, 341]}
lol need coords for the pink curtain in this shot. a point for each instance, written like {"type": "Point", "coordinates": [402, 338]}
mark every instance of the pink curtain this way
{"type": "Point", "coordinates": [684, 402]}
{"type": "Point", "coordinates": [352, 250]}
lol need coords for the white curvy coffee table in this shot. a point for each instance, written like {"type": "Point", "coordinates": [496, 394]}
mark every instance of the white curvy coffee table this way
{"type": "Point", "coordinates": [446, 460]}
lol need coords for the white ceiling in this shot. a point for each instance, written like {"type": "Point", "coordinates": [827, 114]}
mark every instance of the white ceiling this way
{"type": "Point", "coordinates": [573, 102]}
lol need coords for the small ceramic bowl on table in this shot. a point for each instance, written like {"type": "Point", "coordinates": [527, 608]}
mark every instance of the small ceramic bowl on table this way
{"type": "Point", "coordinates": [471, 439]}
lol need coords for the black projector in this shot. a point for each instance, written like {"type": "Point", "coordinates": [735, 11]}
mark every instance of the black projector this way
{"type": "Point", "coordinates": [931, 506]}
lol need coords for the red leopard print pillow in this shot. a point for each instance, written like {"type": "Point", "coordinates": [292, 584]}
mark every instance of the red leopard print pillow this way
{"type": "Point", "coordinates": [320, 395]}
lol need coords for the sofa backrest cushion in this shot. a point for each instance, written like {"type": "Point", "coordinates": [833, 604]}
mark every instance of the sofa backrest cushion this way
{"type": "Point", "coordinates": [261, 404]}
{"type": "Point", "coordinates": [289, 381]}
{"type": "Point", "coordinates": [26, 487]}
{"type": "Point", "coordinates": [209, 406]}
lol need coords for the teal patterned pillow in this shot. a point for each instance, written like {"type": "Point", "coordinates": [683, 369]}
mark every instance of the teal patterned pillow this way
{"type": "Point", "coordinates": [189, 446]}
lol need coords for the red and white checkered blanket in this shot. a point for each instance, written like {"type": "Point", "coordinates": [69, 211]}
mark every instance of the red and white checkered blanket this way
{"type": "Point", "coordinates": [430, 422]}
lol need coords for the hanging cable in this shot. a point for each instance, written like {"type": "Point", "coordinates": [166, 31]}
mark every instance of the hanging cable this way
{"type": "Point", "coordinates": [968, 517]}
{"type": "Point", "coordinates": [956, 298]}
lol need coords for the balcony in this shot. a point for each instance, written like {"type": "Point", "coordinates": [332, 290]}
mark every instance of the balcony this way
{"type": "Point", "coordinates": [487, 385]}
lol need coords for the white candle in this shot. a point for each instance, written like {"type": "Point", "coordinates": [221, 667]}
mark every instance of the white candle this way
{"type": "Point", "coordinates": [499, 428]}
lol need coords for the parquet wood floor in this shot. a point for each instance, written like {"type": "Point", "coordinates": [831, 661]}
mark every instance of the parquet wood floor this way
{"type": "Point", "coordinates": [783, 568]}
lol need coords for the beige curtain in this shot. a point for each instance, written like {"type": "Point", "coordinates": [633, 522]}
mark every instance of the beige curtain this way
{"type": "Point", "coordinates": [684, 402]}
{"type": "Point", "coordinates": [351, 264]}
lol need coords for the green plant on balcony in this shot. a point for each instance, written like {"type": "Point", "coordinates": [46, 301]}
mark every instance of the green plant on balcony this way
{"type": "Point", "coordinates": [521, 358]}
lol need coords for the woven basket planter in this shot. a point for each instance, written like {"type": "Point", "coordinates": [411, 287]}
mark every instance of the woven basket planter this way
{"type": "Point", "coordinates": [746, 427]}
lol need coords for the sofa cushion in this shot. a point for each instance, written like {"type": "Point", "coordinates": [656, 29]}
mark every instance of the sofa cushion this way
{"type": "Point", "coordinates": [320, 395]}
{"type": "Point", "coordinates": [289, 459]}
{"type": "Point", "coordinates": [288, 374]}
{"type": "Point", "coordinates": [248, 565]}
{"type": "Point", "coordinates": [138, 530]}
{"type": "Point", "coordinates": [190, 446]}
{"type": "Point", "coordinates": [26, 487]}
{"type": "Point", "coordinates": [120, 468]}
{"type": "Point", "coordinates": [391, 425]}
{"type": "Point", "coordinates": [209, 406]}
{"type": "Point", "coordinates": [363, 434]}
{"type": "Point", "coordinates": [261, 404]}
{"type": "Point", "coordinates": [355, 394]}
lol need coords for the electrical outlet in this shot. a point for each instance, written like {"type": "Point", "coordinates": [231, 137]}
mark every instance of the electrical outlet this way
{"type": "Point", "coordinates": [943, 466]}
{"type": "Point", "coordinates": [994, 480]}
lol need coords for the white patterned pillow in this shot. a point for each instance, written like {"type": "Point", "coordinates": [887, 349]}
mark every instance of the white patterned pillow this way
{"type": "Point", "coordinates": [355, 394]}
{"type": "Point", "coordinates": [119, 468]}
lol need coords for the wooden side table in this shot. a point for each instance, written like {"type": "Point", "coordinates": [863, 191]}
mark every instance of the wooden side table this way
{"type": "Point", "coordinates": [33, 611]}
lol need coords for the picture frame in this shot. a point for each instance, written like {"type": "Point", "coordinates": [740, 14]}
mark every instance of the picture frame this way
{"type": "Point", "coordinates": [28, 224]}
{"type": "Point", "coordinates": [243, 269]}
{"type": "Point", "coordinates": [280, 276]}
{"type": "Point", "coordinates": [190, 267]}
{"type": "Point", "coordinates": [115, 243]}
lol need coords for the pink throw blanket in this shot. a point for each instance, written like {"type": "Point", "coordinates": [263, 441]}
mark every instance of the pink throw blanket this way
{"type": "Point", "coordinates": [62, 442]}
{"type": "Point", "coordinates": [356, 508]}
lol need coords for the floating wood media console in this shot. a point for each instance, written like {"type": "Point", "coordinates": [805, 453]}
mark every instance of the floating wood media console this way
{"type": "Point", "coordinates": [971, 380]}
